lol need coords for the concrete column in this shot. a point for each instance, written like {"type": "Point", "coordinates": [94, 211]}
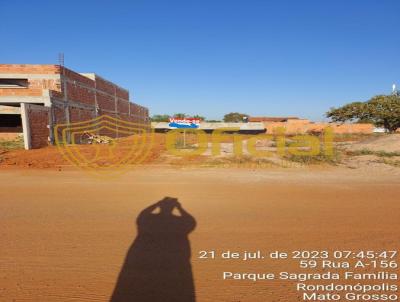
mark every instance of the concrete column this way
{"type": "Point", "coordinates": [96, 105]}
{"type": "Point", "coordinates": [116, 109]}
{"type": "Point", "coordinates": [25, 126]}
{"type": "Point", "coordinates": [66, 103]}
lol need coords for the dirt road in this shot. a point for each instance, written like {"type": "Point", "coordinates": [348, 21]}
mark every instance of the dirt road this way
{"type": "Point", "coordinates": [64, 235]}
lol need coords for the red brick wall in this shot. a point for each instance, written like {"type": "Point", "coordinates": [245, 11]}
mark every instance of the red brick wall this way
{"type": "Point", "coordinates": [123, 106]}
{"type": "Point", "coordinates": [35, 86]}
{"type": "Point", "coordinates": [38, 119]}
{"type": "Point", "coordinates": [58, 114]}
{"type": "Point", "coordinates": [74, 76]}
{"type": "Point", "coordinates": [105, 102]}
{"type": "Point", "coordinates": [109, 98]}
{"type": "Point", "coordinates": [123, 94]}
{"type": "Point", "coordinates": [21, 92]}
{"type": "Point", "coordinates": [45, 84]}
{"type": "Point", "coordinates": [29, 68]}
{"type": "Point", "coordinates": [105, 86]}
{"type": "Point", "coordinates": [139, 113]}
{"type": "Point", "coordinates": [80, 89]}
{"type": "Point", "coordinates": [108, 132]}
{"type": "Point", "coordinates": [80, 94]}
{"type": "Point", "coordinates": [80, 114]}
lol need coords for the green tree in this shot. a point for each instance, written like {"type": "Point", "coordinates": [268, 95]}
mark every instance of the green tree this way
{"type": "Point", "coordinates": [160, 118]}
{"type": "Point", "coordinates": [199, 117]}
{"type": "Point", "coordinates": [381, 110]}
{"type": "Point", "coordinates": [234, 117]}
{"type": "Point", "coordinates": [180, 115]}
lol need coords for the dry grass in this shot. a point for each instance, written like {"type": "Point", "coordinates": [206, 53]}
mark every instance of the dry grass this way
{"type": "Point", "coordinates": [12, 144]}
{"type": "Point", "coordinates": [381, 153]}
{"type": "Point", "coordinates": [390, 162]}
{"type": "Point", "coordinates": [243, 161]}
{"type": "Point", "coordinates": [321, 158]}
{"type": "Point", "coordinates": [353, 137]}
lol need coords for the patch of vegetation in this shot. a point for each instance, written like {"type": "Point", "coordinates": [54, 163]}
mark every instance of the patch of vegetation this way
{"type": "Point", "coordinates": [394, 163]}
{"type": "Point", "coordinates": [12, 144]}
{"type": "Point", "coordinates": [321, 158]}
{"type": "Point", "coordinates": [349, 137]}
{"type": "Point", "coordinates": [243, 161]}
{"type": "Point", "coordinates": [381, 110]}
{"type": "Point", "coordinates": [166, 117]}
{"type": "Point", "coordinates": [371, 152]}
{"type": "Point", "coordinates": [235, 117]}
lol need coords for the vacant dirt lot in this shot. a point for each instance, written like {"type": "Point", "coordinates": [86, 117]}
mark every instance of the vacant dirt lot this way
{"type": "Point", "coordinates": [64, 235]}
{"type": "Point", "coordinates": [356, 151]}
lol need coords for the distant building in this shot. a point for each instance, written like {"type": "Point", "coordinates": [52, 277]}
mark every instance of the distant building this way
{"type": "Point", "coordinates": [294, 125]}
{"type": "Point", "coordinates": [208, 127]}
{"type": "Point", "coordinates": [271, 119]}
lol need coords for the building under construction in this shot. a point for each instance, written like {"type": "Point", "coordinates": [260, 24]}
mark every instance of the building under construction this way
{"type": "Point", "coordinates": [35, 98]}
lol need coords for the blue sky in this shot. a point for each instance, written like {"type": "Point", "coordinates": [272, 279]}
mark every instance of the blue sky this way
{"type": "Point", "coordinates": [213, 57]}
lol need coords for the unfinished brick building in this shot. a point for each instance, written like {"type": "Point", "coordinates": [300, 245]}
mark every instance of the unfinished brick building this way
{"type": "Point", "coordinates": [35, 98]}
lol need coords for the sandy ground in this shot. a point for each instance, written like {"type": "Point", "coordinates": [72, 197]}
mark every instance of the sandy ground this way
{"type": "Point", "coordinates": [64, 235]}
{"type": "Point", "coordinates": [387, 143]}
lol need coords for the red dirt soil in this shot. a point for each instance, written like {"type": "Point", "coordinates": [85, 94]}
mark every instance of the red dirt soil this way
{"type": "Point", "coordinates": [64, 235]}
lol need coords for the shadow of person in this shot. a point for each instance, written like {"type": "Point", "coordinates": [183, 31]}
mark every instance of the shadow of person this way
{"type": "Point", "coordinates": [157, 266]}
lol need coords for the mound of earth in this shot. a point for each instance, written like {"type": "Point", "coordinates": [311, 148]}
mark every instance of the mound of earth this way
{"type": "Point", "coordinates": [386, 143]}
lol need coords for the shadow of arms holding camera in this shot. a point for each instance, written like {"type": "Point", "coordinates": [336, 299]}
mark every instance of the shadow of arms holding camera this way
{"type": "Point", "coordinates": [157, 266]}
